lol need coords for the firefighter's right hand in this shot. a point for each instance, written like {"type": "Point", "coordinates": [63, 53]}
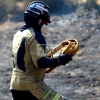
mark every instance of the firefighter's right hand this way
{"type": "Point", "coordinates": [64, 59]}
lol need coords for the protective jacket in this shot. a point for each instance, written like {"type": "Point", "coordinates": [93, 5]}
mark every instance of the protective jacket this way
{"type": "Point", "coordinates": [28, 72]}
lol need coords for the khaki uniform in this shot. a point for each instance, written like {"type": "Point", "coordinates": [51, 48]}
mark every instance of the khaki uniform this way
{"type": "Point", "coordinates": [26, 75]}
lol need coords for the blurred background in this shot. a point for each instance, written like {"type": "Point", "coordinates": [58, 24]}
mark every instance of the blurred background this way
{"type": "Point", "coordinates": [79, 19]}
{"type": "Point", "coordinates": [15, 7]}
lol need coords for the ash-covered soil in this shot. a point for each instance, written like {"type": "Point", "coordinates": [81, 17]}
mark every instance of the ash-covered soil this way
{"type": "Point", "coordinates": [78, 80]}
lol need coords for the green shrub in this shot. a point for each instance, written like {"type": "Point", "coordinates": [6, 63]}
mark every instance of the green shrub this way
{"type": "Point", "coordinates": [11, 7]}
{"type": "Point", "coordinates": [53, 4]}
{"type": "Point", "coordinates": [7, 7]}
{"type": "Point", "coordinates": [3, 11]}
{"type": "Point", "coordinates": [91, 4]}
{"type": "Point", "coordinates": [18, 0]}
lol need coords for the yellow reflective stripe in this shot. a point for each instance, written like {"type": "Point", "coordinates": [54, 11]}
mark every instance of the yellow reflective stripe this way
{"type": "Point", "coordinates": [57, 96]}
{"type": "Point", "coordinates": [47, 94]}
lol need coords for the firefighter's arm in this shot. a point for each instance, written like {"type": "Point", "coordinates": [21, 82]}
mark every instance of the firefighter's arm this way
{"type": "Point", "coordinates": [46, 62]}
{"type": "Point", "coordinates": [41, 61]}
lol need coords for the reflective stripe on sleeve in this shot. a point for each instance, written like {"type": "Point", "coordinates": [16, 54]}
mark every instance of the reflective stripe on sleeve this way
{"type": "Point", "coordinates": [57, 96]}
{"type": "Point", "coordinates": [47, 94]}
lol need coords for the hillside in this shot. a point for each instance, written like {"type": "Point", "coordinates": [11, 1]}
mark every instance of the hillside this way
{"type": "Point", "coordinates": [78, 80]}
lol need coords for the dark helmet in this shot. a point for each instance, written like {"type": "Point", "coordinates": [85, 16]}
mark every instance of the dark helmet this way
{"type": "Point", "coordinates": [38, 9]}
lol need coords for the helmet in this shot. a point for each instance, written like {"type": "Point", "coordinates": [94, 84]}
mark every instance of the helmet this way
{"type": "Point", "coordinates": [38, 9]}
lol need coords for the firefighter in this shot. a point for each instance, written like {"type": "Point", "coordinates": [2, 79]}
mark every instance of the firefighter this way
{"type": "Point", "coordinates": [29, 57]}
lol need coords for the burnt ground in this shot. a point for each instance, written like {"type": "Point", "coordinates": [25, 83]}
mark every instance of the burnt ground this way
{"type": "Point", "coordinates": [78, 80]}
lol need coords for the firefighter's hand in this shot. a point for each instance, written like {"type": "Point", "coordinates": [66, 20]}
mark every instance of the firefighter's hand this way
{"type": "Point", "coordinates": [64, 59]}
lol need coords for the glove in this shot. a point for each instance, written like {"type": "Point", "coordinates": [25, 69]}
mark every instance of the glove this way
{"type": "Point", "coordinates": [64, 59]}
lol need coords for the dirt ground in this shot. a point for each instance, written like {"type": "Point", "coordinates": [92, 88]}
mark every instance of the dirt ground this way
{"type": "Point", "coordinates": [78, 80]}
